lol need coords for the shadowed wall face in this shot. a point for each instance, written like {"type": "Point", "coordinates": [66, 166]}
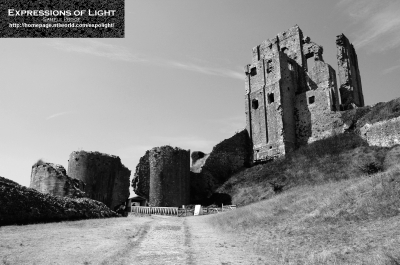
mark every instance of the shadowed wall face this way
{"type": "Point", "coordinates": [169, 176]}
{"type": "Point", "coordinates": [106, 178]}
{"type": "Point", "coordinates": [141, 178]}
{"type": "Point", "coordinates": [52, 179]}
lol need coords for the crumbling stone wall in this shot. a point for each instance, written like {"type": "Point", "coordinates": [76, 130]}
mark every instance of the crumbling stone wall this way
{"type": "Point", "coordinates": [271, 86]}
{"type": "Point", "coordinates": [169, 177]}
{"type": "Point", "coordinates": [383, 133]}
{"type": "Point", "coordinates": [106, 178]}
{"type": "Point", "coordinates": [226, 158]}
{"type": "Point", "coordinates": [52, 179]}
{"type": "Point", "coordinates": [289, 103]}
{"type": "Point", "coordinates": [349, 74]}
{"type": "Point", "coordinates": [141, 178]}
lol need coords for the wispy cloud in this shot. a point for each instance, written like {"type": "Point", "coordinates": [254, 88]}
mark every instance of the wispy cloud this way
{"type": "Point", "coordinates": [207, 70]}
{"type": "Point", "coordinates": [58, 115]}
{"type": "Point", "coordinates": [119, 53]}
{"type": "Point", "coordinates": [390, 69]}
{"type": "Point", "coordinates": [97, 48]}
{"type": "Point", "coordinates": [379, 22]}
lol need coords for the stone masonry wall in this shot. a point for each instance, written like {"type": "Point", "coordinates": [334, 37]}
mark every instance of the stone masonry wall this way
{"type": "Point", "coordinates": [106, 178]}
{"type": "Point", "coordinates": [52, 179]}
{"type": "Point", "coordinates": [141, 178]}
{"type": "Point", "coordinates": [169, 177]}
{"type": "Point", "coordinates": [349, 73]}
{"type": "Point", "coordinates": [291, 101]}
{"type": "Point", "coordinates": [226, 158]}
{"type": "Point", "coordinates": [383, 133]}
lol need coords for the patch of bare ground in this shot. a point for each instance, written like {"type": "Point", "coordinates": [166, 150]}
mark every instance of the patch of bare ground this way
{"type": "Point", "coordinates": [210, 245]}
{"type": "Point", "coordinates": [73, 242]}
{"type": "Point", "coordinates": [133, 240]}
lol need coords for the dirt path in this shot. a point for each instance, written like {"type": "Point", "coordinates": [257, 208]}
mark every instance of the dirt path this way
{"type": "Point", "coordinates": [124, 241]}
{"type": "Point", "coordinates": [190, 240]}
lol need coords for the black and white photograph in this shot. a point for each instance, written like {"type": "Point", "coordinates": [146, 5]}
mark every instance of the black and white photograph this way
{"type": "Point", "coordinates": [221, 132]}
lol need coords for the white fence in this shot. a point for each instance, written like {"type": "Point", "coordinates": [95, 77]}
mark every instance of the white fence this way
{"type": "Point", "coordinates": [179, 211]}
{"type": "Point", "coordinates": [155, 210]}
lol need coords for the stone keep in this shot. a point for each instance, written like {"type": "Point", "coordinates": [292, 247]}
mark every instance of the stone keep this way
{"type": "Point", "coordinates": [169, 177]}
{"type": "Point", "coordinates": [52, 179]}
{"type": "Point", "coordinates": [291, 92]}
{"type": "Point", "coordinates": [106, 178]}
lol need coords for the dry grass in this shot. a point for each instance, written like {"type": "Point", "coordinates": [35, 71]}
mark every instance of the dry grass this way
{"type": "Point", "coordinates": [76, 242]}
{"type": "Point", "coordinates": [341, 157]}
{"type": "Point", "coordinates": [380, 112]}
{"type": "Point", "coordinates": [352, 221]}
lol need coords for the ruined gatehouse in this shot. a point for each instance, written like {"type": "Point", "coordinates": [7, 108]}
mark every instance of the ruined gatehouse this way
{"type": "Point", "coordinates": [291, 93]}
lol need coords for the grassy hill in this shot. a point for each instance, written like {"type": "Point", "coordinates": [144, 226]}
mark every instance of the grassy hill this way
{"type": "Point", "coordinates": [336, 201]}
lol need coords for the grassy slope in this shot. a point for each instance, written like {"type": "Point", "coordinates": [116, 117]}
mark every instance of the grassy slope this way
{"type": "Point", "coordinates": [380, 112]}
{"type": "Point", "coordinates": [340, 157]}
{"type": "Point", "coordinates": [334, 209]}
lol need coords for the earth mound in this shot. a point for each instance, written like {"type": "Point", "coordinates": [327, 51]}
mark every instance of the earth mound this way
{"type": "Point", "coordinates": [21, 205]}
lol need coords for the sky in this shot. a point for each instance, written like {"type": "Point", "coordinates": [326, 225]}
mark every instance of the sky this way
{"type": "Point", "coordinates": [175, 79]}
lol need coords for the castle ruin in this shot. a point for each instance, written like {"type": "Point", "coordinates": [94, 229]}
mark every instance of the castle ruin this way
{"type": "Point", "coordinates": [169, 177]}
{"type": "Point", "coordinates": [106, 178]}
{"type": "Point", "coordinates": [52, 179]}
{"type": "Point", "coordinates": [163, 177]}
{"type": "Point", "coordinates": [291, 93]}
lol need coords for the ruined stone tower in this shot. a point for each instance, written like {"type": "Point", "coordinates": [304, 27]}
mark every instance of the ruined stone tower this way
{"type": "Point", "coordinates": [291, 93]}
{"type": "Point", "coordinates": [52, 179]}
{"type": "Point", "coordinates": [169, 177]}
{"type": "Point", "coordinates": [106, 178]}
{"type": "Point", "coordinates": [349, 74]}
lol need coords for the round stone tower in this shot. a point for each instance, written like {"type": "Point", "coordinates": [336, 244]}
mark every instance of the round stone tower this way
{"type": "Point", "coordinates": [169, 176]}
{"type": "Point", "coordinates": [106, 178]}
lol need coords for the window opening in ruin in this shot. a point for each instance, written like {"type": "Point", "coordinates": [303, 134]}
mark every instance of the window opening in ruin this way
{"type": "Point", "coordinates": [254, 104]}
{"type": "Point", "coordinates": [271, 98]}
{"type": "Point", "coordinates": [290, 66]}
{"type": "Point", "coordinates": [253, 71]}
{"type": "Point", "coordinates": [311, 99]}
{"type": "Point", "coordinates": [258, 53]}
{"type": "Point", "coordinates": [269, 66]}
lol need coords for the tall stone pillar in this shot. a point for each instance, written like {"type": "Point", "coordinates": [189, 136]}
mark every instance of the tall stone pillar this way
{"type": "Point", "coordinates": [169, 177]}
{"type": "Point", "coordinates": [349, 73]}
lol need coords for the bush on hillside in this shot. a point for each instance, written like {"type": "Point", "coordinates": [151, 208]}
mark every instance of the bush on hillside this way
{"type": "Point", "coordinates": [21, 205]}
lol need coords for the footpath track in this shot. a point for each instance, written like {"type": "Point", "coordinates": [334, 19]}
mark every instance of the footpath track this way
{"type": "Point", "coordinates": [190, 240]}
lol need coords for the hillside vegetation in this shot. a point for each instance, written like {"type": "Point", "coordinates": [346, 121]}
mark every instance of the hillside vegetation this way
{"type": "Point", "coordinates": [21, 205]}
{"type": "Point", "coordinates": [336, 201]}
{"type": "Point", "coordinates": [341, 157]}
